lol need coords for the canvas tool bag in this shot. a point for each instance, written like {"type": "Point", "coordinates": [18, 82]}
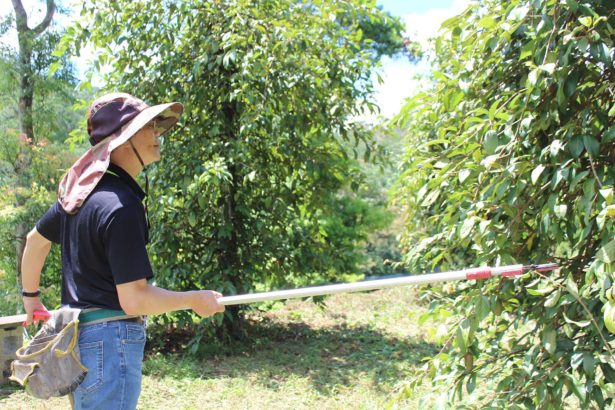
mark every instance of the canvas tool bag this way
{"type": "Point", "coordinates": [50, 364]}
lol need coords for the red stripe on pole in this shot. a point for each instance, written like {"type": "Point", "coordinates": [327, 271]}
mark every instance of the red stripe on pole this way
{"type": "Point", "coordinates": [514, 272]}
{"type": "Point", "coordinates": [478, 273]}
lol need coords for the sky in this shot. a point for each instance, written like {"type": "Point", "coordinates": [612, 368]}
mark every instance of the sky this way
{"type": "Point", "coordinates": [422, 19]}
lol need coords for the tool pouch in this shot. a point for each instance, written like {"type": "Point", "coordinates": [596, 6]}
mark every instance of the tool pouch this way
{"type": "Point", "coordinates": [50, 365]}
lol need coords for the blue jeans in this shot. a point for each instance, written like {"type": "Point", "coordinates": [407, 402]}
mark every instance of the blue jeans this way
{"type": "Point", "coordinates": [112, 352]}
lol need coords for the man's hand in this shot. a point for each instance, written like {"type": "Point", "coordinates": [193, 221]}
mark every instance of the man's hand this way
{"type": "Point", "coordinates": [31, 304]}
{"type": "Point", "coordinates": [140, 298]}
{"type": "Point", "coordinates": [205, 302]}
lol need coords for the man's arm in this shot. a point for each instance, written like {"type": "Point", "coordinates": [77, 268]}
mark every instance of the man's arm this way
{"type": "Point", "coordinates": [34, 255]}
{"type": "Point", "coordinates": [140, 298]}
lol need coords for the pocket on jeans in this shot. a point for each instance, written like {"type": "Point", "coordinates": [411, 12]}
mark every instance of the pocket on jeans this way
{"type": "Point", "coordinates": [135, 333]}
{"type": "Point", "coordinates": [91, 355]}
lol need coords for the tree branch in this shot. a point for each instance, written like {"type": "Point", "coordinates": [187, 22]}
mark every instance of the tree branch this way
{"type": "Point", "coordinates": [21, 18]}
{"type": "Point", "coordinates": [51, 8]}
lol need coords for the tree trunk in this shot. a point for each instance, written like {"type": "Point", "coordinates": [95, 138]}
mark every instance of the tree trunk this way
{"type": "Point", "coordinates": [234, 321]}
{"type": "Point", "coordinates": [26, 100]}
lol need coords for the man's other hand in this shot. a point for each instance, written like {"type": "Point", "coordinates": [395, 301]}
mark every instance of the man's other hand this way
{"type": "Point", "coordinates": [205, 302]}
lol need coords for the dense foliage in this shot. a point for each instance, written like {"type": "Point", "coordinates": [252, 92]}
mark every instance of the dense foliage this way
{"type": "Point", "coordinates": [30, 165]}
{"type": "Point", "coordinates": [510, 159]}
{"type": "Point", "coordinates": [256, 188]}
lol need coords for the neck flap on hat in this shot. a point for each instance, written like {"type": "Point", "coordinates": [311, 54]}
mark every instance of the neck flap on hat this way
{"type": "Point", "coordinates": [83, 176]}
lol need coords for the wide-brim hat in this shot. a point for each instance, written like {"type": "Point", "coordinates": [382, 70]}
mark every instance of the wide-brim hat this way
{"type": "Point", "coordinates": [112, 120]}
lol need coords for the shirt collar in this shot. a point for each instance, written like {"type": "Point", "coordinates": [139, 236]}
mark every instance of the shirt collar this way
{"type": "Point", "coordinates": [126, 177]}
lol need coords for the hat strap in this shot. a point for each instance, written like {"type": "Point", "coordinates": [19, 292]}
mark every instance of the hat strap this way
{"type": "Point", "coordinates": [146, 182]}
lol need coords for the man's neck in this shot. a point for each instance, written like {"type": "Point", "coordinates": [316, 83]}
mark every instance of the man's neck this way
{"type": "Point", "coordinates": [132, 168]}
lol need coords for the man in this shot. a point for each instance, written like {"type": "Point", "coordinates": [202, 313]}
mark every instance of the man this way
{"type": "Point", "coordinates": [101, 224]}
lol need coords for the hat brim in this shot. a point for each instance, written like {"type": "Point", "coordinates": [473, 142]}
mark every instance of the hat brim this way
{"type": "Point", "coordinates": [170, 113]}
{"type": "Point", "coordinates": [83, 176]}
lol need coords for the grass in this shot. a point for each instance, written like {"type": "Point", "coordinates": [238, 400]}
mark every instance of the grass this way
{"type": "Point", "coordinates": [355, 353]}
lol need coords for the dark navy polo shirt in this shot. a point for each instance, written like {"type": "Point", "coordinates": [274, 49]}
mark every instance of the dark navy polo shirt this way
{"type": "Point", "coordinates": [103, 245]}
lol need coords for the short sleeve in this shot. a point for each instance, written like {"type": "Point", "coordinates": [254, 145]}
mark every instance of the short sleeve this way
{"type": "Point", "coordinates": [124, 239]}
{"type": "Point", "coordinates": [50, 224]}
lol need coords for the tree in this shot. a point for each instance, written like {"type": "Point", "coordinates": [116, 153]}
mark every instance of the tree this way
{"type": "Point", "coordinates": [254, 190]}
{"type": "Point", "coordinates": [36, 116]}
{"type": "Point", "coordinates": [510, 159]}
{"type": "Point", "coordinates": [26, 37]}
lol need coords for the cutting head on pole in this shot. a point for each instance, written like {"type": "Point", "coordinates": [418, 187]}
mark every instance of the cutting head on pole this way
{"type": "Point", "coordinates": [546, 267]}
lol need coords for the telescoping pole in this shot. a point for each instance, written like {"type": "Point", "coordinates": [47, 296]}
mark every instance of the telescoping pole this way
{"type": "Point", "coordinates": [466, 274]}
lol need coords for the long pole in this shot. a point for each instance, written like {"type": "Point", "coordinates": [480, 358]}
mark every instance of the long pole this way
{"type": "Point", "coordinates": [466, 274]}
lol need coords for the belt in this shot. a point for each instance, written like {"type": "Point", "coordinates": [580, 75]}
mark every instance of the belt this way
{"type": "Point", "coordinates": [106, 315]}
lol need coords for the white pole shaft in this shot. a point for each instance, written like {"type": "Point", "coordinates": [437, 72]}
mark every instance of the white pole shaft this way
{"type": "Point", "coordinates": [478, 273]}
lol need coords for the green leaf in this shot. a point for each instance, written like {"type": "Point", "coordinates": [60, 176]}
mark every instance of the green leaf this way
{"type": "Point", "coordinates": [583, 323]}
{"type": "Point", "coordinates": [424, 318]}
{"type": "Point", "coordinates": [461, 342]}
{"type": "Point", "coordinates": [486, 22]}
{"type": "Point", "coordinates": [549, 68]}
{"type": "Point", "coordinates": [518, 13]}
{"type": "Point", "coordinates": [560, 211]}
{"type": "Point", "coordinates": [607, 253]}
{"type": "Point", "coordinates": [561, 97]}
{"type": "Point", "coordinates": [466, 227]}
{"type": "Point", "coordinates": [570, 85]}
{"type": "Point", "coordinates": [589, 363]}
{"type": "Point", "coordinates": [481, 305]}
{"type": "Point", "coordinates": [549, 339]}
{"type": "Point", "coordinates": [571, 286]}
{"type": "Point", "coordinates": [229, 59]}
{"type": "Point", "coordinates": [576, 359]}
{"type": "Point", "coordinates": [533, 76]}
{"type": "Point", "coordinates": [492, 110]}
{"type": "Point", "coordinates": [607, 194]}
{"type": "Point", "coordinates": [575, 146]}
{"type": "Point", "coordinates": [573, 5]}
{"type": "Point", "coordinates": [540, 292]}
{"type": "Point", "coordinates": [430, 198]}
{"type": "Point", "coordinates": [577, 388]}
{"type": "Point", "coordinates": [553, 298]}
{"type": "Point", "coordinates": [591, 145]}
{"type": "Point", "coordinates": [555, 147]}
{"type": "Point", "coordinates": [491, 142]}
{"type": "Point", "coordinates": [587, 21]}
{"type": "Point", "coordinates": [463, 175]}
{"type": "Point", "coordinates": [471, 384]}
{"type": "Point", "coordinates": [54, 67]}
{"type": "Point", "coordinates": [536, 173]}
{"type": "Point", "coordinates": [526, 51]}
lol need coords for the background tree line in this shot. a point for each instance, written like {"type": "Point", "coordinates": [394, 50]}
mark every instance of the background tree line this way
{"type": "Point", "coordinates": [38, 112]}
{"type": "Point", "coordinates": [508, 158]}
{"type": "Point", "coordinates": [263, 184]}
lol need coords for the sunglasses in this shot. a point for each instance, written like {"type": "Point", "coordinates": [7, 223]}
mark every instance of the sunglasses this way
{"type": "Point", "coordinates": [156, 124]}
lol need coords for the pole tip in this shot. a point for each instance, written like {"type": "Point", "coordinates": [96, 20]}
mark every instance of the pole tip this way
{"type": "Point", "coordinates": [545, 267]}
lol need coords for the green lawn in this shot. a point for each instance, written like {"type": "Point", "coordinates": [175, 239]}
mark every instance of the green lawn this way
{"type": "Point", "coordinates": [353, 354]}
